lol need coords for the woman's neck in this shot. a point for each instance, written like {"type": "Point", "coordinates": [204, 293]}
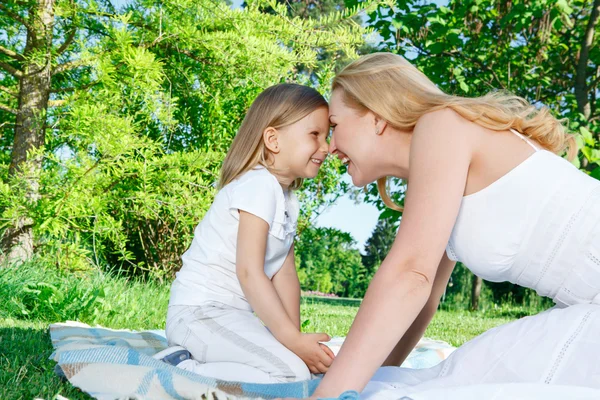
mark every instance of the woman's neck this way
{"type": "Point", "coordinates": [394, 153]}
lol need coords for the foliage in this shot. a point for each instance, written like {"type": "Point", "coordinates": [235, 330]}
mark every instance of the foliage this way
{"type": "Point", "coordinates": [472, 47]}
{"type": "Point", "coordinates": [141, 119]}
{"type": "Point", "coordinates": [379, 244]}
{"type": "Point", "coordinates": [328, 262]}
{"type": "Point", "coordinates": [493, 295]}
{"type": "Point", "coordinates": [34, 292]}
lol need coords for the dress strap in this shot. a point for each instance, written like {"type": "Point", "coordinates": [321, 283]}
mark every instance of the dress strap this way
{"type": "Point", "coordinates": [523, 137]}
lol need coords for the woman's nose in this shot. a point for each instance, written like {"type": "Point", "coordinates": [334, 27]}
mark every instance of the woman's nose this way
{"type": "Point", "coordinates": [332, 146]}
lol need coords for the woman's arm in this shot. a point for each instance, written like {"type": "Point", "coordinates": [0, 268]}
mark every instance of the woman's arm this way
{"type": "Point", "coordinates": [287, 286]}
{"type": "Point", "coordinates": [417, 329]}
{"type": "Point", "coordinates": [439, 161]}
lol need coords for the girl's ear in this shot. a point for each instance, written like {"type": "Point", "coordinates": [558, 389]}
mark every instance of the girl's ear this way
{"type": "Point", "coordinates": [270, 136]}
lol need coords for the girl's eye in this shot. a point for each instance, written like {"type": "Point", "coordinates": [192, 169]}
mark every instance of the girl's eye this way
{"type": "Point", "coordinates": [315, 133]}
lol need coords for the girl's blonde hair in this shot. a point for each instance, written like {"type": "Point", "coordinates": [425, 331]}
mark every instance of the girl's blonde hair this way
{"type": "Point", "coordinates": [277, 106]}
{"type": "Point", "coordinates": [395, 90]}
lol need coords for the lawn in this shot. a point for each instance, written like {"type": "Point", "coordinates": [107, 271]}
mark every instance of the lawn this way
{"type": "Point", "coordinates": [32, 298]}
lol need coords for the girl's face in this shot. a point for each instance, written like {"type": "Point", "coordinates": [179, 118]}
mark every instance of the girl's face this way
{"type": "Point", "coordinates": [353, 141]}
{"type": "Point", "coordinates": [302, 146]}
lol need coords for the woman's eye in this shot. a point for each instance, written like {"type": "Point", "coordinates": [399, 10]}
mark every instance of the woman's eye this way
{"type": "Point", "coordinates": [315, 133]}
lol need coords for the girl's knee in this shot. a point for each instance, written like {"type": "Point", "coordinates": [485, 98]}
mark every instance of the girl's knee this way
{"type": "Point", "coordinates": [299, 369]}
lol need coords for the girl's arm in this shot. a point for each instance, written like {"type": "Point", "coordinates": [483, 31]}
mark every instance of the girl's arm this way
{"type": "Point", "coordinates": [287, 286]}
{"type": "Point", "coordinates": [262, 296]}
{"type": "Point", "coordinates": [439, 162]}
{"type": "Point", "coordinates": [417, 329]}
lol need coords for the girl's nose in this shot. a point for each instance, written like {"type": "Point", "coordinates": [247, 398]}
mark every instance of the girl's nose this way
{"type": "Point", "coordinates": [323, 145]}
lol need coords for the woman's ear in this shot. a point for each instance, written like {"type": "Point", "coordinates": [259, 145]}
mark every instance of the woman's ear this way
{"type": "Point", "coordinates": [380, 125]}
{"type": "Point", "coordinates": [270, 138]}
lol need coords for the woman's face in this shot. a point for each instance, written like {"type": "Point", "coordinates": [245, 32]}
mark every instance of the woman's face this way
{"type": "Point", "coordinates": [353, 139]}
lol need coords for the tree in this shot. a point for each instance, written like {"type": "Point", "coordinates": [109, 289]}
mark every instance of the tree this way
{"type": "Point", "coordinates": [313, 8]}
{"type": "Point", "coordinates": [476, 292]}
{"type": "Point", "coordinates": [37, 51]}
{"type": "Point", "coordinates": [379, 244]}
{"type": "Point", "coordinates": [121, 104]}
{"type": "Point", "coordinates": [543, 51]}
{"type": "Point", "coordinates": [328, 261]}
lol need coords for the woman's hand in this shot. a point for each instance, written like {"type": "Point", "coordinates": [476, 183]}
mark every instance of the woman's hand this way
{"type": "Point", "coordinates": [317, 356]}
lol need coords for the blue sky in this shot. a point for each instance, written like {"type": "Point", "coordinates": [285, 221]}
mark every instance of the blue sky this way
{"type": "Point", "coordinates": [358, 219]}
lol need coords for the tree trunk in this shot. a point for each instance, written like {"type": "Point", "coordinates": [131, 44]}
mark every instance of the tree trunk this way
{"type": "Point", "coordinates": [475, 292]}
{"type": "Point", "coordinates": [30, 126]}
{"type": "Point", "coordinates": [581, 88]}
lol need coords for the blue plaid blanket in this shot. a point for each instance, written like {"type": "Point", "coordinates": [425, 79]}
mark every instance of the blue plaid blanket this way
{"type": "Point", "coordinates": [118, 364]}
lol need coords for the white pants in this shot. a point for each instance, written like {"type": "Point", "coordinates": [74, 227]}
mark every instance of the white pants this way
{"type": "Point", "coordinates": [231, 344]}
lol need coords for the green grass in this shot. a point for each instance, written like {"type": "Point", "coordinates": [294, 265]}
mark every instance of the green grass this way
{"type": "Point", "coordinates": [455, 327]}
{"type": "Point", "coordinates": [38, 294]}
{"type": "Point", "coordinates": [26, 372]}
{"type": "Point", "coordinates": [33, 297]}
{"type": "Point", "coordinates": [458, 327]}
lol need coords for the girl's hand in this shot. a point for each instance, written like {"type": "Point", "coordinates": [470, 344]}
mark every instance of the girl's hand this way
{"type": "Point", "coordinates": [327, 350]}
{"type": "Point", "coordinates": [317, 356]}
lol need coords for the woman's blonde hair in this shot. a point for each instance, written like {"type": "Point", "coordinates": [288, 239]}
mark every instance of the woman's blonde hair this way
{"type": "Point", "coordinates": [395, 90]}
{"type": "Point", "coordinates": [277, 106]}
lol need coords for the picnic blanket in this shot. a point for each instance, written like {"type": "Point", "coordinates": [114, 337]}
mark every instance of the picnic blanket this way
{"type": "Point", "coordinates": [118, 364]}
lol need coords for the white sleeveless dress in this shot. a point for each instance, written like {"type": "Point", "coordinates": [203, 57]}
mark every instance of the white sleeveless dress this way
{"type": "Point", "coordinates": [538, 226]}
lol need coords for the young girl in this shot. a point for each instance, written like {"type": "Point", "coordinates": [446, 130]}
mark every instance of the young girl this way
{"type": "Point", "coordinates": [241, 259]}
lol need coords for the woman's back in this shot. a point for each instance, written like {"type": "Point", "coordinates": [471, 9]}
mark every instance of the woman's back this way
{"type": "Point", "coordinates": [537, 226]}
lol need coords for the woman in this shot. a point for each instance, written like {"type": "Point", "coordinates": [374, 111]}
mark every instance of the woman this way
{"type": "Point", "coordinates": [487, 187]}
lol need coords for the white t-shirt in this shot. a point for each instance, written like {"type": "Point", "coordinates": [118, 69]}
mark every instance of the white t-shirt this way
{"type": "Point", "coordinates": [209, 273]}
